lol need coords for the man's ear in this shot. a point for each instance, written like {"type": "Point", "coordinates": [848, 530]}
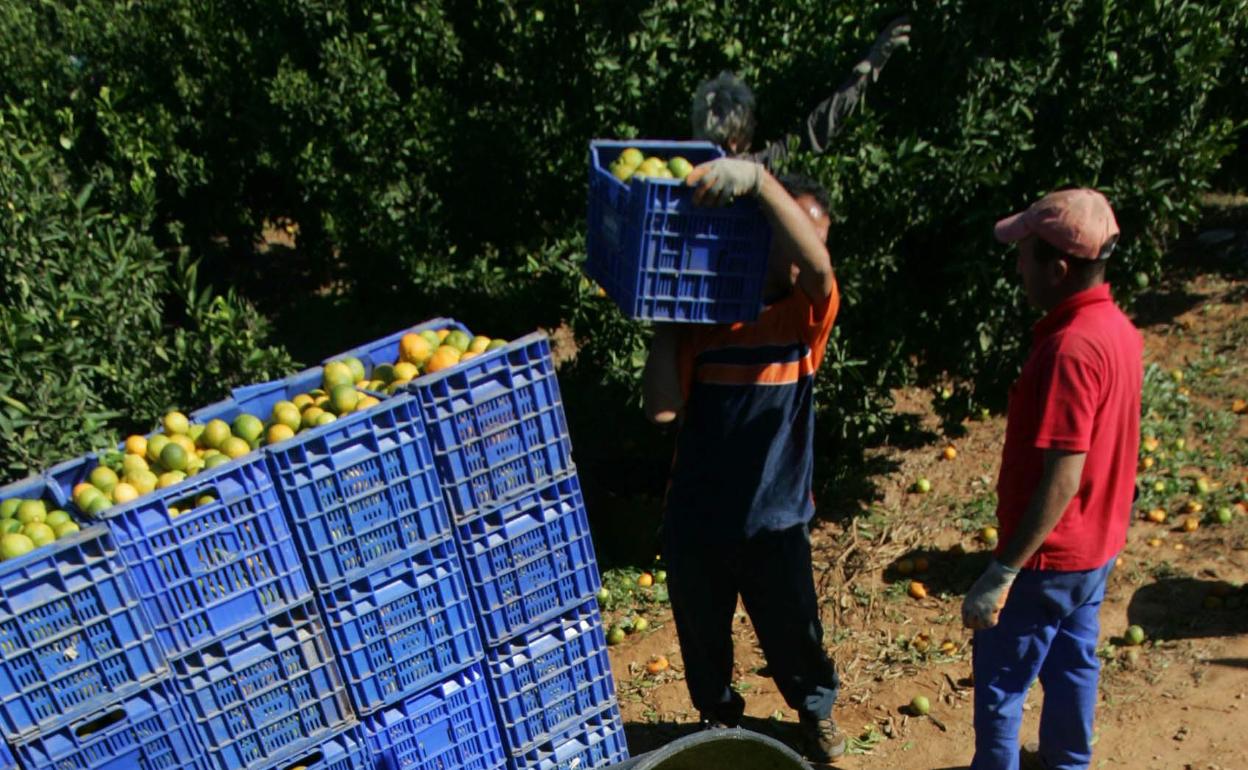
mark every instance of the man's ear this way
{"type": "Point", "coordinates": [1061, 269]}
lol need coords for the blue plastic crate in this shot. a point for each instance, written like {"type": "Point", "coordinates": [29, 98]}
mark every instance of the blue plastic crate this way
{"type": "Point", "coordinates": [358, 492]}
{"type": "Point", "coordinates": [215, 567]}
{"type": "Point", "coordinates": [386, 349]}
{"type": "Point", "coordinates": [403, 627]}
{"type": "Point", "coordinates": [529, 560]}
{"type": "Point", "coordinates": [450, 725]}
{"type": "Point", "coordinates": [496, 424]}
{"type": "Point", "coordinates": [265, 693]}
{"type": "Point", "coordinates": [7, 762]}
{"type": "Point", "coordinates": [72, 631]}
{"type": "Point", "coordinates": [595, 742]}
{"type": "Point", "coordinates": [550, 678]}
{"type": "Point", "coordinates": [345, 750]}
{"type": "Point", "coordinates": [661, 258]}
{"type": "Point", "coordinates": [148, 729]}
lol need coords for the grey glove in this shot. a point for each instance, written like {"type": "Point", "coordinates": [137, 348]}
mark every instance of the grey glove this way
{"type": "Point", "coordinates": [722, 181]}
{"type": "Point", "coordinates": [984, 601]}
{"type": "Point", "coordinates": [895, 35]}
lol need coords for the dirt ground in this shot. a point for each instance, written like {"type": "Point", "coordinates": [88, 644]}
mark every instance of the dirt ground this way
{"type": "Point", "coordinates": [1180, 700]}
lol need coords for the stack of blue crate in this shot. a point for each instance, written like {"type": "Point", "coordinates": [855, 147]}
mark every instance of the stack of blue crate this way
{"type": "Point", "coordinates": [218, 576]}
{"type": "Point", "coordinates": [500, 446]}
{"type": "Point", "coordinates": [83, 682]}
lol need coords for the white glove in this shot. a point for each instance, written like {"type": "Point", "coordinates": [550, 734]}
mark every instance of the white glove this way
{"type": "Point", "coordinates": [983, 603]}
{"type": "Point", "coordinates": [724, 180]}
{"type": "Point", "coordinates": [895, 35]}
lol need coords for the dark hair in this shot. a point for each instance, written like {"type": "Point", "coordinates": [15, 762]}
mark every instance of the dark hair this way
{"type": "Point", "coordinates": [1083, 268]}
{"type": "Point", "coordinates": [800, 184]}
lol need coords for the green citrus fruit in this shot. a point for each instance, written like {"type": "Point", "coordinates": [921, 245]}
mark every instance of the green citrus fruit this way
{"type": "Point", "coordinates": [632, 156]}
{"type": "Point", "coordinates": [247, 427]}
{"type": "Point", "coordinates": [343, 398]}
{"type": "Point", "coordinates": [495, 344]}
{"type": "Point", "coordinates": [235, 447]}
{"type": "Point", "coordinates": [56, 518]}
{"type": "Point", "coordinates": [311, 415]}
{"type": "Point", "coordinates": [66, 529]}
{"type": "Point", "coordinates": [325, 418]}
{"type": "Point", "coordinates": [356, 366]}
{"type": "Point", "coordinates": [10, 525]}
{"type": "Point", "coordinates": [175, 423]}
{"type": "Point", "coordinates": [215, 433]}
{"type": "Point", "coordinates": [103, 478]}
{"type": "Point", "coordinates": [679, 167]}
{"type": "Point", "coordinates": [216, 460]}
{"type": "Point", "coordinates": [174, 457]}
{"type": "Point", "coordinates": [155, 445]}
{"type": "Point", "coordinates": [337, 373]}
{"type": "Point", "coordinates": [31, 511]}
{"type": "Point", "coordinates": [14, 545]}
{"type": "Point", "coordinates": [8, 508]}
{"type": "Point", "coordinates": [920, 705]}
{"type": "Point", "coordinates": [39, 533]}
{"type": "Point", "coordinates": [98, 505]}
{"type": "Point", "coordinates": [287, 414]}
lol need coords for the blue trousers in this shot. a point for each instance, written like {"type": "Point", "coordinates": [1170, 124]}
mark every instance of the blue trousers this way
{"type": "Point", "coordinates": [772, 573]}
{"type": "Point", "coordinates": [1048, 629]}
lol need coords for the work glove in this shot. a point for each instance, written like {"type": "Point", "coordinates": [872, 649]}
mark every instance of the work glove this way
{"type": "Point", "coordinates": [895, 35]}
{"type": "Point", "coordinates": [983, 603]}
{"type": "Point", "coordinates": [722, 181]}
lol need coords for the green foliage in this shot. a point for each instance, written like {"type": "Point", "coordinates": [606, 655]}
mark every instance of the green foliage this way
{"type": "Point", "coordinates": [87, 348]}
{"type": "Point", "coordinates": [433, 157]}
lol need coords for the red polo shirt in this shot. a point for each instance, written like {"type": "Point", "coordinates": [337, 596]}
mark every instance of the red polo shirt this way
{"type": "Point", "coordinates": [1079, 391]}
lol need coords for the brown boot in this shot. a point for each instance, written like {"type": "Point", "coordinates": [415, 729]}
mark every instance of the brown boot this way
{"type": "Point", "coordinates": [824, 742]}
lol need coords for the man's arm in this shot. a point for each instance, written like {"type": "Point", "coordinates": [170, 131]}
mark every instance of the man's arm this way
{"type": "Point", "coordinates": [798, 241]}
{"type": "Point", "coordinates": [660, 380]}
{"type": "Point", "coordinates": [1059, 482]}
{"type": "Point", "coordinates": [721, 181]}
{"type": "Point", "coordinates": [827, 119]}
{"type": "Point", "coordinates": [1062, 474]}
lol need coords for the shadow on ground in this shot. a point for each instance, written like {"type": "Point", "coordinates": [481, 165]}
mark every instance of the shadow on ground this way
{"type": "Point", "coordinates": [1190, 608]}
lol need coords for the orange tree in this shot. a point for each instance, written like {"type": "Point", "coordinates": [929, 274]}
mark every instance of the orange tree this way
{"type": "Point", "coordinates": [433, 154]}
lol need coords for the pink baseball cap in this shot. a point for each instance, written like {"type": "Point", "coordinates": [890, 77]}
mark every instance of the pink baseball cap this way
{"type": "Point", "coordinates": [1077, 222]}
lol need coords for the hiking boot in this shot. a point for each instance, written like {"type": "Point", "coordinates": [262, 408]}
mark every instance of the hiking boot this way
{"type": "Point", "coordinates": [1029, 758]}
{"type": "Point", "coordinates": [824, 742]}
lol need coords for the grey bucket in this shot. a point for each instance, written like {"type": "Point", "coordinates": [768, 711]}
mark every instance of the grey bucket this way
{"type": "Point", "coordinates": [714, 749]}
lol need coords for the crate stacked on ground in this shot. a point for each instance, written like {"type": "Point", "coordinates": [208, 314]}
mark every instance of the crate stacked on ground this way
{"type": "Point", "coordinates": [661, 258]}
{"type": "Point", "coordinates": [364, 504]}
{"type": "Point", "coordinates": [219, 577]}
{"type": "Point", "coordinates": [83, 681]}
{"type": "Point", "coordinates": [500, 442]}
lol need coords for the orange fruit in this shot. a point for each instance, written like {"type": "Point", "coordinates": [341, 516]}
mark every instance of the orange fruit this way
{"type": "Point", "coordinates": [1239, 406]}
{"type": "Point", "coordinates": [136, 445]}
{"type": "Point", "coordinates": [442, 334]}
{"type": "Point", "coordinates": [442, 358]}
{"type": "Point", "coordinates": [1157, 516]}
{"type": "Point", "coordinates": [917, 589]}
{"type": "Point", "coordinates": [645, 580]}
{"type": "Point", "coordinates": [950, 452]}
{"type": "Point", "coordinates": [468, 356]}
{"type": "Point", "coordinates": [414, 349]}
{"type": "Point", "coordinates": [657, 665]}
{"type": "Point", "coordinates": [1191, 524]}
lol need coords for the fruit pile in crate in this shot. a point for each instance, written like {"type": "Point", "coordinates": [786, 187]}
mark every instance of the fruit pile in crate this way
{"type": "Point", "coordinates": [655, 253]}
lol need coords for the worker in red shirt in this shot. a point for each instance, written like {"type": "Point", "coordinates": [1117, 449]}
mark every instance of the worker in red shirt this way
{"type": "Point", "coordinates": [1064, 492]}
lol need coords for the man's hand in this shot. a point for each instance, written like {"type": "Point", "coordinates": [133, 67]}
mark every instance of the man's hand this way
{"type": "Point", "coordinates": [722, 181]}
{"type": "Point", "coordinates": [983, 603]}
{"type": "Point", "coordinates": [895, 35]}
